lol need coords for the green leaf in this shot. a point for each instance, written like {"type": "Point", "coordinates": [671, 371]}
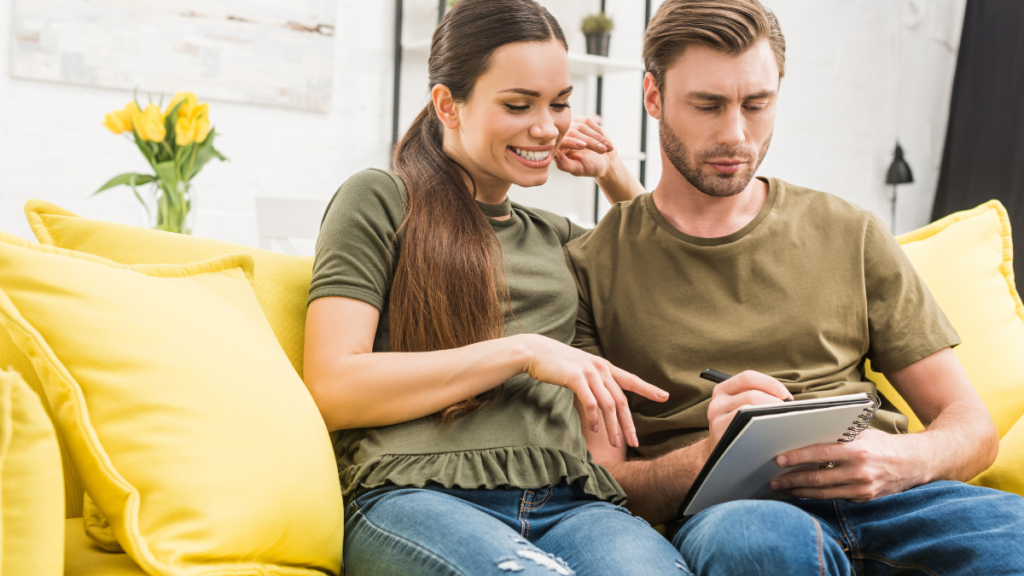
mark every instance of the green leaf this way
{"type": "Point", "coordinates": [205, 153]}
{"type": "Point", "coordinates": [169, 180]}
{"type": "Point", "coordinates": [145, 149]}
{"type": "Point", "coordinates": [129, 179]}
{"type": "Point", "coordinates": [171, 122]}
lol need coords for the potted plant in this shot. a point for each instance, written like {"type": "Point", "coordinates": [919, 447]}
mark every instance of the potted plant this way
{"type": "Point", "coordinates": [177, 143]}
{"type": "Point", "coordinates": [597, 27]}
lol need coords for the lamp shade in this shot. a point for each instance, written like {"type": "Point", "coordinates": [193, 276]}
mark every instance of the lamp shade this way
{"type": "Point", "coordinates": [899, 171]}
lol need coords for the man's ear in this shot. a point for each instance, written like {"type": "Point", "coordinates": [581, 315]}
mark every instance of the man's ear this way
{"type": "Point", "coordinates": [652, 96]}
{"type": "Point", "coordinates": [444, 105]}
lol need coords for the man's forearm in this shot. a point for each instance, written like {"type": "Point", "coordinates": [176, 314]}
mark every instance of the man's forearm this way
{"type": "Point", "coordinates": [655, 488]}
{"type": "Point", "coordinates": [959, 444]}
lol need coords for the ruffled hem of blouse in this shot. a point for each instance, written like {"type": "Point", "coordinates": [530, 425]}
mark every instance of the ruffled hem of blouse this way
{"type": "Point", "coordinates": [522, 467]}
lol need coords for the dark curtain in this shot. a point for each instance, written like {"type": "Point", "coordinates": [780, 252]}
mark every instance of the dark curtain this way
{"type": "Point", "coordinates": [984, 153]}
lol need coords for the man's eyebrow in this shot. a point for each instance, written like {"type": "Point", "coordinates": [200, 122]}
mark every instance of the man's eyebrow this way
{"type": "Point", "coordinates": [712, 97]}
{"type": "Point", "coordinates": [534, 93]}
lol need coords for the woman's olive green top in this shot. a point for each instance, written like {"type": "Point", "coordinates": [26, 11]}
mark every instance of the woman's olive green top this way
{"type": "Point", "coordinates": [531, 437]}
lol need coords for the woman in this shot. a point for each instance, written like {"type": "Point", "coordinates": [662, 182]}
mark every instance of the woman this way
{"type": "Point", "coordinates": [438, 329]}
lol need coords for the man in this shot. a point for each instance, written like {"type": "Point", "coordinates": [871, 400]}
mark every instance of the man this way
{"type": "Point", "coordinates": [791, 289]}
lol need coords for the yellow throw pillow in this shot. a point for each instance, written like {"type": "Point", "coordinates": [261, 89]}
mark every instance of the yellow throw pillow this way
{"type": "Point", "coordinates": [31, 487]}
{"type": "Point", "coordinates": [187, 424]}
{"type": "Point", "coordinates": [281, 282]}
{"type": "Point", "coordinates": [12, 357]}
{"type": "Point", "coordinates": [966, 260]}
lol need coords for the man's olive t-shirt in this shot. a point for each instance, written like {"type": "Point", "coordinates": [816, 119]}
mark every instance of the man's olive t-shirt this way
{"type": "Point", "coordinates": [531, 437]}
{"type": "Point", "coordinates": [805, 292]}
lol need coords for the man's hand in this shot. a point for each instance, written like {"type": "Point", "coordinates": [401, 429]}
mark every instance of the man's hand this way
{"type": "Point", "coordinates": [875, 465]}
{"type": "Point", "coordinates": [745, 389]}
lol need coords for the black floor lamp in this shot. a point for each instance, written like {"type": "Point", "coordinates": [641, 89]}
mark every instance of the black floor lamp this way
{"type": "Point", "coordinates": [899, 173]}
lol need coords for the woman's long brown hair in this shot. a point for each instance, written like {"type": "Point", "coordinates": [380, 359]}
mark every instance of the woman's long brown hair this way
{"type": "Point", "coordinates": [449, 289]}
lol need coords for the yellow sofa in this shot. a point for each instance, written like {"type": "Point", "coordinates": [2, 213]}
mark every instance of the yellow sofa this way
{"type": "Point", "coordinates": [966, 259]}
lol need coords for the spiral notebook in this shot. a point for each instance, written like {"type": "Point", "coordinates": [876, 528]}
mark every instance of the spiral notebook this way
{"type": "Point", "coordinates": [743, 464]}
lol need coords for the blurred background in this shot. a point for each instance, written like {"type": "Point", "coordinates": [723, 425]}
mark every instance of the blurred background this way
{"type": "Point", "coordinates": [303, 94]}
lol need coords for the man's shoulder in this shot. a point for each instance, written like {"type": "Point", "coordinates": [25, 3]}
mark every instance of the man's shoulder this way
{"type": "Point", "coordinates": [623, 220]}
{"type": "Point", "coordinates": [806, 206]}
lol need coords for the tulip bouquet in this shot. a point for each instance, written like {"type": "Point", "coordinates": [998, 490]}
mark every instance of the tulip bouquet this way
{"type": "Point", "coordinates": [177, 142]}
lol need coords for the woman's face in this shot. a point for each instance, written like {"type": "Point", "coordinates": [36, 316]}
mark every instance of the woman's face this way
{"type": "Point", "coordinates": [509, 127]}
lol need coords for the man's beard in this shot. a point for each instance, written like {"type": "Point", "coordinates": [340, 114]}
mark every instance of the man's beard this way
{"type": "Point", "coordinates": [717, 185]}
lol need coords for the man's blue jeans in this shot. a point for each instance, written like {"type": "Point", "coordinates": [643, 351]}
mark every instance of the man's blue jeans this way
{"type": "Point", "coordinates": [943, 528]}
{"type": "Point", "coordinates": [550, 531]}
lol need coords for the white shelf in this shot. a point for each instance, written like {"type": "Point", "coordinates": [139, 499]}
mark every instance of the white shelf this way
{"type": "Point", "coordinates": [579, 64]}
{"type": "Point", "coordinates": [591, 65]}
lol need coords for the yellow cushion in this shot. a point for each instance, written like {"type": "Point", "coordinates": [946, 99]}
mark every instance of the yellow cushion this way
{"type": "Point", "coordinates": [185, 420]}
{"type": "Point", "coordinates": [31, 487]}
{"type": "Point", "coordinates": [281, 282]}
{"type": "Point", "coordinates": [12, 357]}
{"type": "Point", "coordinates": [966, 260]}
{"type": "Point", "coordinates": [82, 557]}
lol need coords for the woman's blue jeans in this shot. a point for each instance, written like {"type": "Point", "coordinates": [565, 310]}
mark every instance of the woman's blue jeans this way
{"type": "Point", "coordinates": [549, 531]}
{"type": "Point", "coordinates": [943, 528]}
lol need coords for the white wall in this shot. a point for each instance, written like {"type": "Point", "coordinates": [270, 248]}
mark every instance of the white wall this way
{"type": "Point", "coordinates": [53, 146]}
{"type": "Point", "coordinates": [835, 130]}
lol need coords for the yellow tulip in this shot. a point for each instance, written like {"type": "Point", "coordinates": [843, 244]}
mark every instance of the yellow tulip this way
{"type": "Point", "coordinates": [149, 124]}
{"type": "Point", "coordinates": [190, 101]}
{"type": "Point", "coordinates": [120, 121]}
{"type": "Point", "coordinates": [193, 125]}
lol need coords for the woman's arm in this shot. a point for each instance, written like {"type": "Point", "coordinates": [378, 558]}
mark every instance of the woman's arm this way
{"type": "Point", "coordinates": [587, 151]}
{"type": "Point", "coordinates": [356, 388]}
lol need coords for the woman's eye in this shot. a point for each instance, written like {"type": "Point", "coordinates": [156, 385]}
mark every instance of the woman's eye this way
{"type": "Point", "coordinates": [564, 106]}
{"type": "Point", "coordinates": [514, 108]}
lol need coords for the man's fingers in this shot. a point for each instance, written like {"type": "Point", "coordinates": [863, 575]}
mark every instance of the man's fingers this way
{"type": "Point", "coordinates": [595, 135]}
{"type": "Point", "coordinates": [571, 143]}
{"type": "Point", "coordinates": [815, 454]}
{"type": "Point", "coordinates": [816, 478]}
{"type": "Point", "coordinates": [726, 404]}
{"type": "Point", "coordinates": [750, 380]}
{"type": "Point", "coordinates": [594, 144]}
{"type": "Point", "coordinates": [634, 383]}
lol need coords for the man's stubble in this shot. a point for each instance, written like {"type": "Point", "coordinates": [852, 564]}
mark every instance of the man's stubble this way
{"type": "Point", "coordinates": [718, 185]}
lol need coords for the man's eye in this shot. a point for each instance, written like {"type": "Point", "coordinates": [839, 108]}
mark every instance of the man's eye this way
{"type": "Point", "coordinates": [756, 108]}
{"type": "Point", "coordinates": [513, 108]}
{"type": "Point", "coordinates": [707, 108]}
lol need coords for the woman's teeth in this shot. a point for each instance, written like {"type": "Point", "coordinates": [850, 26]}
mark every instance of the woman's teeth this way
{"type": "Point", "coordinates": [535, 156]}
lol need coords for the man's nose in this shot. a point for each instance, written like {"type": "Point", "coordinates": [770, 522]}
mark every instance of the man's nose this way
{"type": "Point", "coordinates": [732, 130]}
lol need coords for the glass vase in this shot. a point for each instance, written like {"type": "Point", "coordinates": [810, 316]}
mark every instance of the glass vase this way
{"type": "Point", "coordinates": [172, 211]}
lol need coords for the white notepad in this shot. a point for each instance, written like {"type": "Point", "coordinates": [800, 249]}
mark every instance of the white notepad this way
{"type": "Point", "coordinates": [743, 464]}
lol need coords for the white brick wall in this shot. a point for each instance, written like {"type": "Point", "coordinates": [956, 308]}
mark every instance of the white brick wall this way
{"type": "Point", "coordinates": [835, 128]}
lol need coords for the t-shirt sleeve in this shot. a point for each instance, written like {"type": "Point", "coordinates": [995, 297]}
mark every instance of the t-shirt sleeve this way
{"type": "Point", "coordinates": [905, 322]}
{"type": "Point", "coordinates": [355, 249]}
{"type": "Point", "coordinates": [575, 230]}
{"type": "Point", "coordinates": [586, 337]}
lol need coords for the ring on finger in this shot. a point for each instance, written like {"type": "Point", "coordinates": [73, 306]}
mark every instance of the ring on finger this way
{"type": "Point", "coordinates": [828, 465]}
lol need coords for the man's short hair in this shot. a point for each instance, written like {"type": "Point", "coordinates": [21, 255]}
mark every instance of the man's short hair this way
{"type": "Point", "coordinates": [730, 26]}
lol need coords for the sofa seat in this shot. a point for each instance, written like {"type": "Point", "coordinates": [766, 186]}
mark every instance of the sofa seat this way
{"type": "Point", "coordinates": [82, 557]}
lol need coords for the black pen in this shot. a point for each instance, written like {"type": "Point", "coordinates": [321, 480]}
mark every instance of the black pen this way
{"type": "Point", "coordinates": [719, 377]}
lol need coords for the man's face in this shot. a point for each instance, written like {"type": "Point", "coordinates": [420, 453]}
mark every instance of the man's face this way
{"type": "Point", "coordinates": [716, 113]}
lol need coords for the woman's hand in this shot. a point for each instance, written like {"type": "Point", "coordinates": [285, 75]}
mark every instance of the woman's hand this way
{"type": "Point", "coordinates": [598, 384]}
{"type": "Point", "coordinates": [585, 150]}
{"type": "Point", "coordinates": [747, 388]}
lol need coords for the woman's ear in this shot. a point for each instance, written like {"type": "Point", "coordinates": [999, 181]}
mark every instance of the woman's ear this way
{"type": "Point", "coordinates": [652, 96]}
{"type": "Point", "coordinates": [444, 105]}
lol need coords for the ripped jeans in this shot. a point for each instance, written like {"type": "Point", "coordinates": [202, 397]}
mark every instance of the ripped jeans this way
{"type": "Point", "coordinates": [557, 531]}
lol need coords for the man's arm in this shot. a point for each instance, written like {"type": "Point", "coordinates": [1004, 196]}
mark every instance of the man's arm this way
{"type": "Point", "coordinates": [656, 487]}
{"type": "Point", "coordinates": [960, 441]}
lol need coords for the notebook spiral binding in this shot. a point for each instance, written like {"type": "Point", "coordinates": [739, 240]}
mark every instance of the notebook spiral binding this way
{"type": "Point", "coordinates": [862, 421]}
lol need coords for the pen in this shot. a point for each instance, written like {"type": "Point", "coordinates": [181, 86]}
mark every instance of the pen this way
{"type": "Point", "coordinates": [719, 377]}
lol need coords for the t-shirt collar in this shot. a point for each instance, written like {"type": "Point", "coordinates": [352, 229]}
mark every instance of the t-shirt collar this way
{"type": "Point", "coordinates": [773, 190]}
{"type": "Point", "coordinates": [496, 210]}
